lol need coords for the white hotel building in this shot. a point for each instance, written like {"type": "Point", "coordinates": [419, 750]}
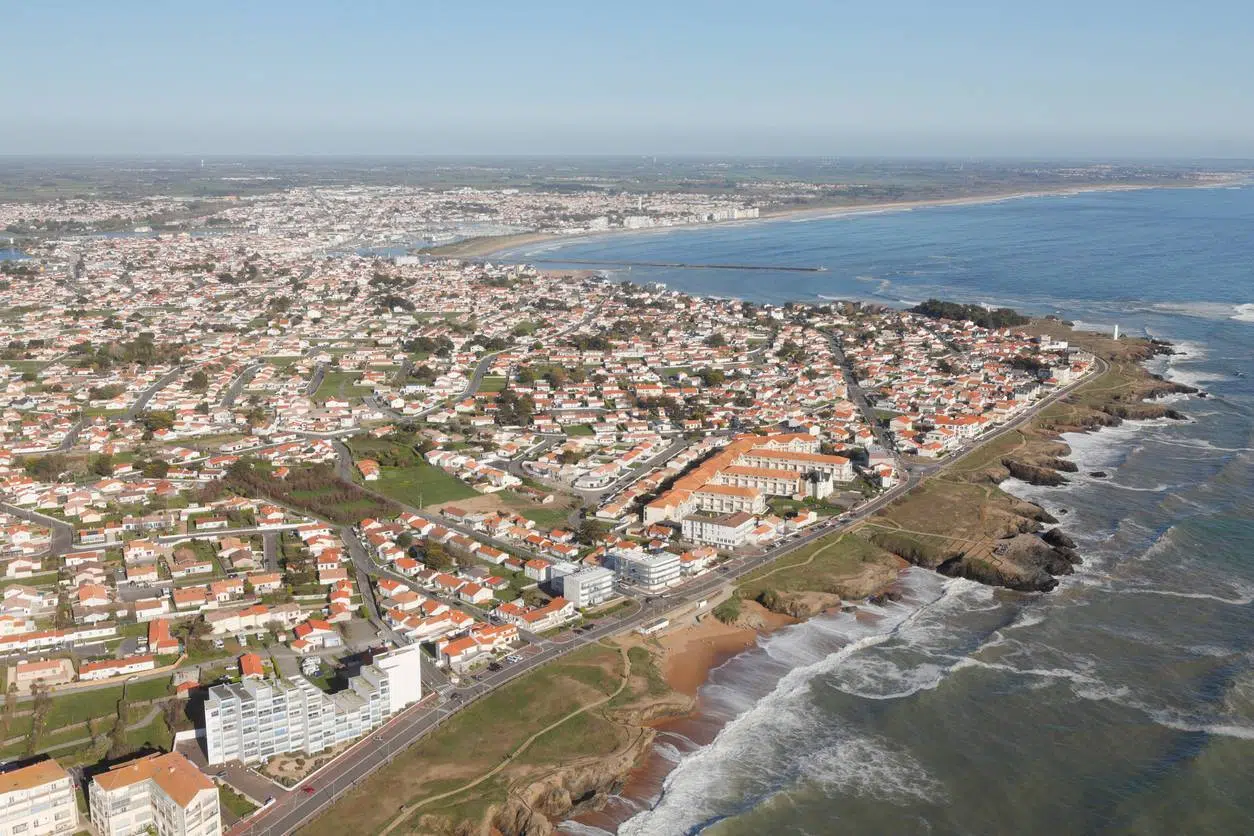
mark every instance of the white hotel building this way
{"type": "Point", "coordinates": [650, 572]}
{"type": "Point", "coordinates": [254, 720]}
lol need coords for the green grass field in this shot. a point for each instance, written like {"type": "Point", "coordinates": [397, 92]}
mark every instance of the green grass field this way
{"type": "Point", "coordinates": [492, 383]}
{"type": "Point", "coordinates": [420, 485]}
{"type": "Point", "coordinates": [340, 384]}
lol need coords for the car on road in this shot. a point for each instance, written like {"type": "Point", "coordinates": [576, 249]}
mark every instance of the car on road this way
{"type": "Point", "coordinates": [308, 789]}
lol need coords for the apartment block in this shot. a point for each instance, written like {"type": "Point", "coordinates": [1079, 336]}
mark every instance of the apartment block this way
{"type": "Point", "coordinates": [164, 794]}
{"type": "Point", "coordinates": [254, 720]}
{"type": "Point", "coordinates": [588, 586]}
{"type": "Point", "coordinates": [36, 800]}
{"type": "Point", "coordinates": [650, 572]}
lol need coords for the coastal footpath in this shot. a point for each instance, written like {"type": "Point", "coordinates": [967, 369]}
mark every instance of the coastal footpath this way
{"type": "Point", "coordinates": [560, 740]}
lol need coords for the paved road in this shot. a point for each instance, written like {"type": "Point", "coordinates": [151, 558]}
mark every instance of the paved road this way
{"type": "Point", "coordinates": [146, 395]}
{"type": "Point", "coordinates": [237, 386]}
{"type": "Point", "coordinates": [62, 540]}
{"type": "Point", "coordinates": [167, 539]}
{"type": "Point", "coordinates": [270, 550]}
{"type": "Point", "coordinates": [593, 497]}
{"type": "Point", "coordinates": [71, 438]}
{"type": "Point", "coordinates": [320, 371]}
{"type": "Point", "coordinates": [857, 395]}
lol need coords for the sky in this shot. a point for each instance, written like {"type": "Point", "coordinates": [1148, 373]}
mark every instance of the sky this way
{"type": "Point", "coordinates": [1102, 78]}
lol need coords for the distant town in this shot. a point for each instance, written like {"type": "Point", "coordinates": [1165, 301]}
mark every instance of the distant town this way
{"type": "Point", "coordinates": [276, 480]}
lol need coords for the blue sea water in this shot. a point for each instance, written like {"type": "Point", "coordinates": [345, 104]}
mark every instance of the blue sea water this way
{"type": "Point", "coordinates": [1122, 702]}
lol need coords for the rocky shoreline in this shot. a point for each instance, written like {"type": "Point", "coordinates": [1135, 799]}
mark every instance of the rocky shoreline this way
{"type": "Point", "coordinates": [1026, 551]}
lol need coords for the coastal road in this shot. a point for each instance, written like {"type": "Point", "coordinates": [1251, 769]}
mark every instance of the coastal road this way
{"type": "Point", "coordinates": [376, 750]}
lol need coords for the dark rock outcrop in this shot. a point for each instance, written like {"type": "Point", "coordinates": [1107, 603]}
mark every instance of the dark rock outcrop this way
{"type": "Point", "coordinates": [1033, 474]}
{"type": "Point", "coordinates": [1025, 562]}
{"type": "Point", "coordinates": [1056, 538]}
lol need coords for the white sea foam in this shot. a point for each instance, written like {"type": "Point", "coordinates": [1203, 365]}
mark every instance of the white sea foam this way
{"type": "Point", "coordinates": [1204, 444]}
{"type": "Point", "coordinates": [1083, 685]}
{"type": "Point", "coordinates": [1240, 601]}
{"type": "Point", "coordinates": [1173, 721]}
{"type": "Point", "coordinates": [575, 828]}
{"type": "Point", "coordinates": [1201, 309]}
{"type": "Point", "coordinates": [871, 769]}
{"type": "Point", "coordinates": [668, 752]}
{"type": "Point", "coordinates": [1159, 488]}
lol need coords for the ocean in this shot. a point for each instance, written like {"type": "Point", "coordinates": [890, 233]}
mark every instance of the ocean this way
{"type": "Point", "coordinates": [1122, 702]}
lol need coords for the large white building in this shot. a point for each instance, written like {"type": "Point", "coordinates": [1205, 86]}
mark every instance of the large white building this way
{"type": "Point", "coordinates": [161, 793]}
{"type": "Point", "coordinates": [36, 800]}
{"type": "Point", "coordinates": [588, 586]}
{"type": "Point", "coordinates": [253, 720]}
{"type": "Point", "coordinates": [650, 572]}
{"type": "Point", "coordinates": [724, 530]}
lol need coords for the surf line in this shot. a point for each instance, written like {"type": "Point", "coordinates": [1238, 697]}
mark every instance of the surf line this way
{"type": "Point", "coordinates": [677, 265]}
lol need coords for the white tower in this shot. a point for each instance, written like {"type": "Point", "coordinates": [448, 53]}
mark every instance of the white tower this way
{"type": "Point", "coordinates": [1116, 330]}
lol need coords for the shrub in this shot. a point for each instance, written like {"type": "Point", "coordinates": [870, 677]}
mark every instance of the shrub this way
{"type": "Point", "coordinates": [728, 611]}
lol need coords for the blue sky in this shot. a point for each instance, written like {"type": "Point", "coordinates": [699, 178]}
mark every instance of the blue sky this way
{"type": "Point", "coordinates": [1096, 78]}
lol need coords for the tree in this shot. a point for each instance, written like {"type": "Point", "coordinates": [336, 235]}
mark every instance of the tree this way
{"type": "Point", "coordinates": [198, 382]}
{"type": "Point", "coordinates": [154, 420]}
{"type": "Point", "coordinates": [46, 468]}
{"type": "Point", "coordinates": [102, 464]}
{"type": "Point", "coordinates": [39, 717]}
{"type": "Point", "coordinates": [716, 340]}
{"type": "Point", "coordinates": [590, 531]}
{"type": "Point", "coordinates": [436, 558]}
{"type": "Point", "coordinates": [712, 377]}
{"type": "Point", "coordinates": [10, 706]}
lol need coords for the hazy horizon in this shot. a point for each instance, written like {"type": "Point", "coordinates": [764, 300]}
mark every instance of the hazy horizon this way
{"type": "Point", "coordinates": [1111, 80]}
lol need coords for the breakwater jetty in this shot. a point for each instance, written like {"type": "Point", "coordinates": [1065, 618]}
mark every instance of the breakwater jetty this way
{"type": "Point", "coordinates": [680, 265]}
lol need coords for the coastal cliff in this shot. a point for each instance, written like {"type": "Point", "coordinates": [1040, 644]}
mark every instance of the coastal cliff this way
{"type": "Point", "coordinates": [962, 524]}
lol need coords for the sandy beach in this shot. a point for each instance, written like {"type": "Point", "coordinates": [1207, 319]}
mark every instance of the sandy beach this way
{"type": "Point", "coordinates": [690, 652]}
{"type": "Point", "coordinates": [489, 246]}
